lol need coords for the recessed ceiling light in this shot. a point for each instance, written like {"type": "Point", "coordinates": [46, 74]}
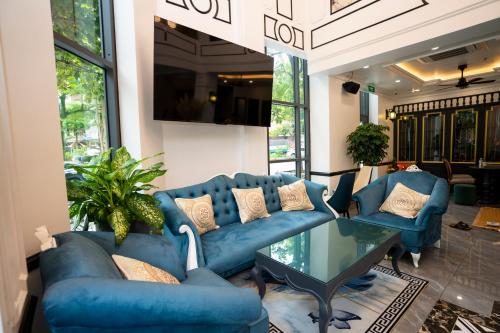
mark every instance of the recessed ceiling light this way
{"type": "Point", "coordinates": [435, 48]}
{"type": "Point", "coordinates": [250, 81]}
{"type": "Point", "coordinates": [225, 81]}
{"type": "Point", "coordinates": [366, 67]}
{"type": "Point", "coordinates": [413, 90]}
{"type": "Point", "coordinates": [397, 81]}
{"type": "Point", "coordinates": [459, 297]}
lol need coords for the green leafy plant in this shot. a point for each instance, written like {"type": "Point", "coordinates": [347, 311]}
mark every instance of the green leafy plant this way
{"type": "Point", "coordinates": [368, 144]}
{"type": "Point", "coordinates": [110, 193]}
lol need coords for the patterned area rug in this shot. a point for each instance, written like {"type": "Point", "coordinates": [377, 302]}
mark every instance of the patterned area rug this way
{"type": "Point", "coordinates": [450, 318]}
{"type": "Point", "coordinates": [372, 303]}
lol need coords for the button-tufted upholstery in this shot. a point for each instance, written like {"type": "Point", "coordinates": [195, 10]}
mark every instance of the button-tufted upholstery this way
{"type": "Point", "coordinates": [232, 247]}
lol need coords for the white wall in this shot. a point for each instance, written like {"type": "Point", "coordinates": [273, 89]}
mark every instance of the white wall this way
{"type": "Point", "coordinates": [13, 266]}
{"type": "Point", "coordinates": [193, 152]}
{"type": "Point", "coordinates": [385, 42]}
{"type": "Point", "coordinates": [29, 64]}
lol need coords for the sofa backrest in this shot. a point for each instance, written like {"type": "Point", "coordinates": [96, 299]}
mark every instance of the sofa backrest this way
{"type": "Point", "coordinates": [269, 185]}
{"type": "Point", "coordinates": [219, 188]}
{"type": "Point", "coordinates": [422, 182]}
{"type": "Point", "coordinates": [224, 204]}
{"type": "Point", "coordinates": [75, 256]}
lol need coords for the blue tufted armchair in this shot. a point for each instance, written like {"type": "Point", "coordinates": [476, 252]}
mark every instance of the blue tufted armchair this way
{"type": "Point", "coordinates": [416, 233]}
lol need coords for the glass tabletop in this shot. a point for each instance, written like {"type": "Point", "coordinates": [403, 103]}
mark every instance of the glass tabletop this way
{"type": "Point", "coordinates": [325, 251]}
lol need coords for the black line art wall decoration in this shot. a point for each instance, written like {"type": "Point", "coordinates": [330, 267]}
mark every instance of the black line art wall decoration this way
{"type": "Point", "coordinates": [219, 9]}
{"type": "Point", "coordinates": [280, 28]}
{"type": "Point", "coordinates": [374, 12]}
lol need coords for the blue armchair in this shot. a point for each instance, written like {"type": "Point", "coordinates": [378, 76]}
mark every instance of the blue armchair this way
{"type": "Point", "coordinates": [85, 292]}
{"type": "Point", "coordinates": [417, 233]}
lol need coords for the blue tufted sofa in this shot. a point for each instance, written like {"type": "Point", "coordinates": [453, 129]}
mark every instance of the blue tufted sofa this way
{"type": "Point", "coordinates": [416, 233]}
{"type": "Point", "coordinates": [232, 247]}
{"type": "Point", "coordinates": [85, 292]}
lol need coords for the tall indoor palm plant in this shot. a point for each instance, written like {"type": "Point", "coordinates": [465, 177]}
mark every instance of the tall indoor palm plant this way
{"type": "Point", "coordinates": [109, 193]}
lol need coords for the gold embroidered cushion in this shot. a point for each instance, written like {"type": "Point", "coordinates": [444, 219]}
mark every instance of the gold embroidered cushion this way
{"type": "Point", "coordinates": [294, 197]}
{"type": "Point", "coordinates": [200, 212]}
{"type": "Point", "coordinates": [138, 270]}
{"type": "Point", "coordinates": [251, 203]}
{"type": "Point", "coordinates": [404, 201]}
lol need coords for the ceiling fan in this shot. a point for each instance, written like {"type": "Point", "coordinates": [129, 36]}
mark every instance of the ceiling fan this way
{"type": "Point", "coordinates": [463, 83]}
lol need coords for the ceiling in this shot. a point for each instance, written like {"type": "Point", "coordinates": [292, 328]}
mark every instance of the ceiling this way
{"type": "Point", "coordinates": [425, 74]}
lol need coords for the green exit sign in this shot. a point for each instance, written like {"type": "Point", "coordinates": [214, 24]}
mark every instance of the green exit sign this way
{"type": "Point", "coordinates": [371, 87]}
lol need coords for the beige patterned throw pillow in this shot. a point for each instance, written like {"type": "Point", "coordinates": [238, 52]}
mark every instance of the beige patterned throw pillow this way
{"type": "Point", "coordinates": [404, 201]}
{"type": "Point", "coordinates": [200, 212]}
{"type": "Point", "coordinates": [294, 197]}
{"type": "Point", "coordinates": [138, 270]}
{"type": "Point", "coordinates": [251, 203]}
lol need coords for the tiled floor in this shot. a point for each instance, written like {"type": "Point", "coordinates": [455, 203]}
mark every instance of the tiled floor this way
{"type": "Point", "coordinates": [465, 271]}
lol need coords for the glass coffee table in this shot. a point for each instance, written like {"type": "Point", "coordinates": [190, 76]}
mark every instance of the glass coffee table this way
{"type": "Point", "coordinates": [320, 260]}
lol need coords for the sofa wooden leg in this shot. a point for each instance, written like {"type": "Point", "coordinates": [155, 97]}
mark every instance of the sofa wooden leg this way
{"type": "Point", "coordinates": [437, 244]}
{"type": "Point", "coordinates": [416, 258]}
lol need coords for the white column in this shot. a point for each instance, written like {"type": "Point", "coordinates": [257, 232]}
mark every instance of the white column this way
{"type": "Point", "coordinates": [31, 89]}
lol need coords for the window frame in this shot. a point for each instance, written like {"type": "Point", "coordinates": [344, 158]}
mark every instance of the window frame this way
{"type": "Point", "coordinates": [298, 107]}
{"type": "Point", "coordinates": [106, 61]}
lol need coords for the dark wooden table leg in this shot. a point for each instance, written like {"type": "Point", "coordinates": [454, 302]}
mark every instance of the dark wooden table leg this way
{"type": "Point", "coordinates": [325, 315]}
{"type": "Point", "coordinates": [398, 251]}
{"type": "Point", "coordinates": [256, 274]}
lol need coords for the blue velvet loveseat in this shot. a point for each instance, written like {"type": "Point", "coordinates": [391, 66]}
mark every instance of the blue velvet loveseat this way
{"type": "Point", "coordinates": [416, 233]}
{"type": "Point", "coordinates": [85, 292]}
{"type": "Point", "coordinates": [232, 247]}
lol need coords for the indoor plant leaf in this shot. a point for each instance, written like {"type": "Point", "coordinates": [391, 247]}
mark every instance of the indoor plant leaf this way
{"type": "Point", "coordinates": [119, 221]}
{"type": "Point", "coordinates": [146, 209]}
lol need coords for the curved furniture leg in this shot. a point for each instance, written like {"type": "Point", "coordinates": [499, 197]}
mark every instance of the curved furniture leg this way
{"type": "Point", "coordinates": [325, 315]}
{"type": "Point", "coordinates": [256, 274]}
{"type": "Point", "coordinates": [398, 251]}
{"type": "Point", "coordinates": [416, 258]}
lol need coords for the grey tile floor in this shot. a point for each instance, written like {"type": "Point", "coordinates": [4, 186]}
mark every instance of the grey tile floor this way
{"type": "Point", "coordinates": [465, 271]}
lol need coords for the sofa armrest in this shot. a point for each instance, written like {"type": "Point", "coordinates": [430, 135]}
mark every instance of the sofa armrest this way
{"type": "Point", "coordinates": [176, 221]}
{"type": "Point", "coordinates": [371, 197]}
{"type": "Point", "coordinates": [316, 193]}
{"type": "Point", "coordinates": [437, 203]}
{"type": "Point", "coordinates": [110, 303]}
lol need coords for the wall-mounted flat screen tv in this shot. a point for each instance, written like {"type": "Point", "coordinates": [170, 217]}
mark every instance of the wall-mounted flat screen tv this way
{"type": "Point", "coordinates": [201, 78]}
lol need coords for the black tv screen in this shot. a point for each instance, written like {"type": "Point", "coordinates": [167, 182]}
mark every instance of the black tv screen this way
{"type": "Point", "coordinates": [201, 78]}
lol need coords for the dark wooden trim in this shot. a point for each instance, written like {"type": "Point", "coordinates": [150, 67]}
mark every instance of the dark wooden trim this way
{"type": "Point", "coordinates": [28, 314]}
{"type": "Point", "coordinates": [33, 261]}
{"type": "Point", "coordinates": [341, 172]}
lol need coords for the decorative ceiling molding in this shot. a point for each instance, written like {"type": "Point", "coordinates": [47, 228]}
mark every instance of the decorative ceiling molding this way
{"type": "Point", "coordinates": [377, 11]}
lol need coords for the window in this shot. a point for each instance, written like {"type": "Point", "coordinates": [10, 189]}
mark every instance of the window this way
{"type": "Point", "coordinates": [86, 77]}
{"type": "Point", "coordinates": [463, 136]}
{"type": "Point", "coordinates": [288, 136]}
{"type": "Point", "coordinates": [433, 136]}
{"type": "Point", "coordinates": [364, 107]}
{"type": "Point", "coordinates": [492, 135]}
{"type": "Point", "coordinates": [407, 139]}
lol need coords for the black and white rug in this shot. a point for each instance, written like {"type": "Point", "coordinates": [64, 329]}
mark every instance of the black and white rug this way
{"type": "Point", "coordinates": [450, 318]}
{"type": "Point", "coordinates": [372, 303]}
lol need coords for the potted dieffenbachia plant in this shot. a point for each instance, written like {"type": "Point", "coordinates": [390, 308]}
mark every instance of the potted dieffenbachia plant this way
{"type": "Point", "coordinates": [109, 190]}
{"type": "Point", "coordinates": [368, 144]}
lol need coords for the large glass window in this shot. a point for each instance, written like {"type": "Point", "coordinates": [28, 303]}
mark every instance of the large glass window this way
{"type": "Point", "coordinates": [288, 134]}
{"type": "Point", "coordinates": [433, 136]}
{"type": "Point", "coordinates": [464, 136]}
{"type": "Point", "coordinates": [86, 77]}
